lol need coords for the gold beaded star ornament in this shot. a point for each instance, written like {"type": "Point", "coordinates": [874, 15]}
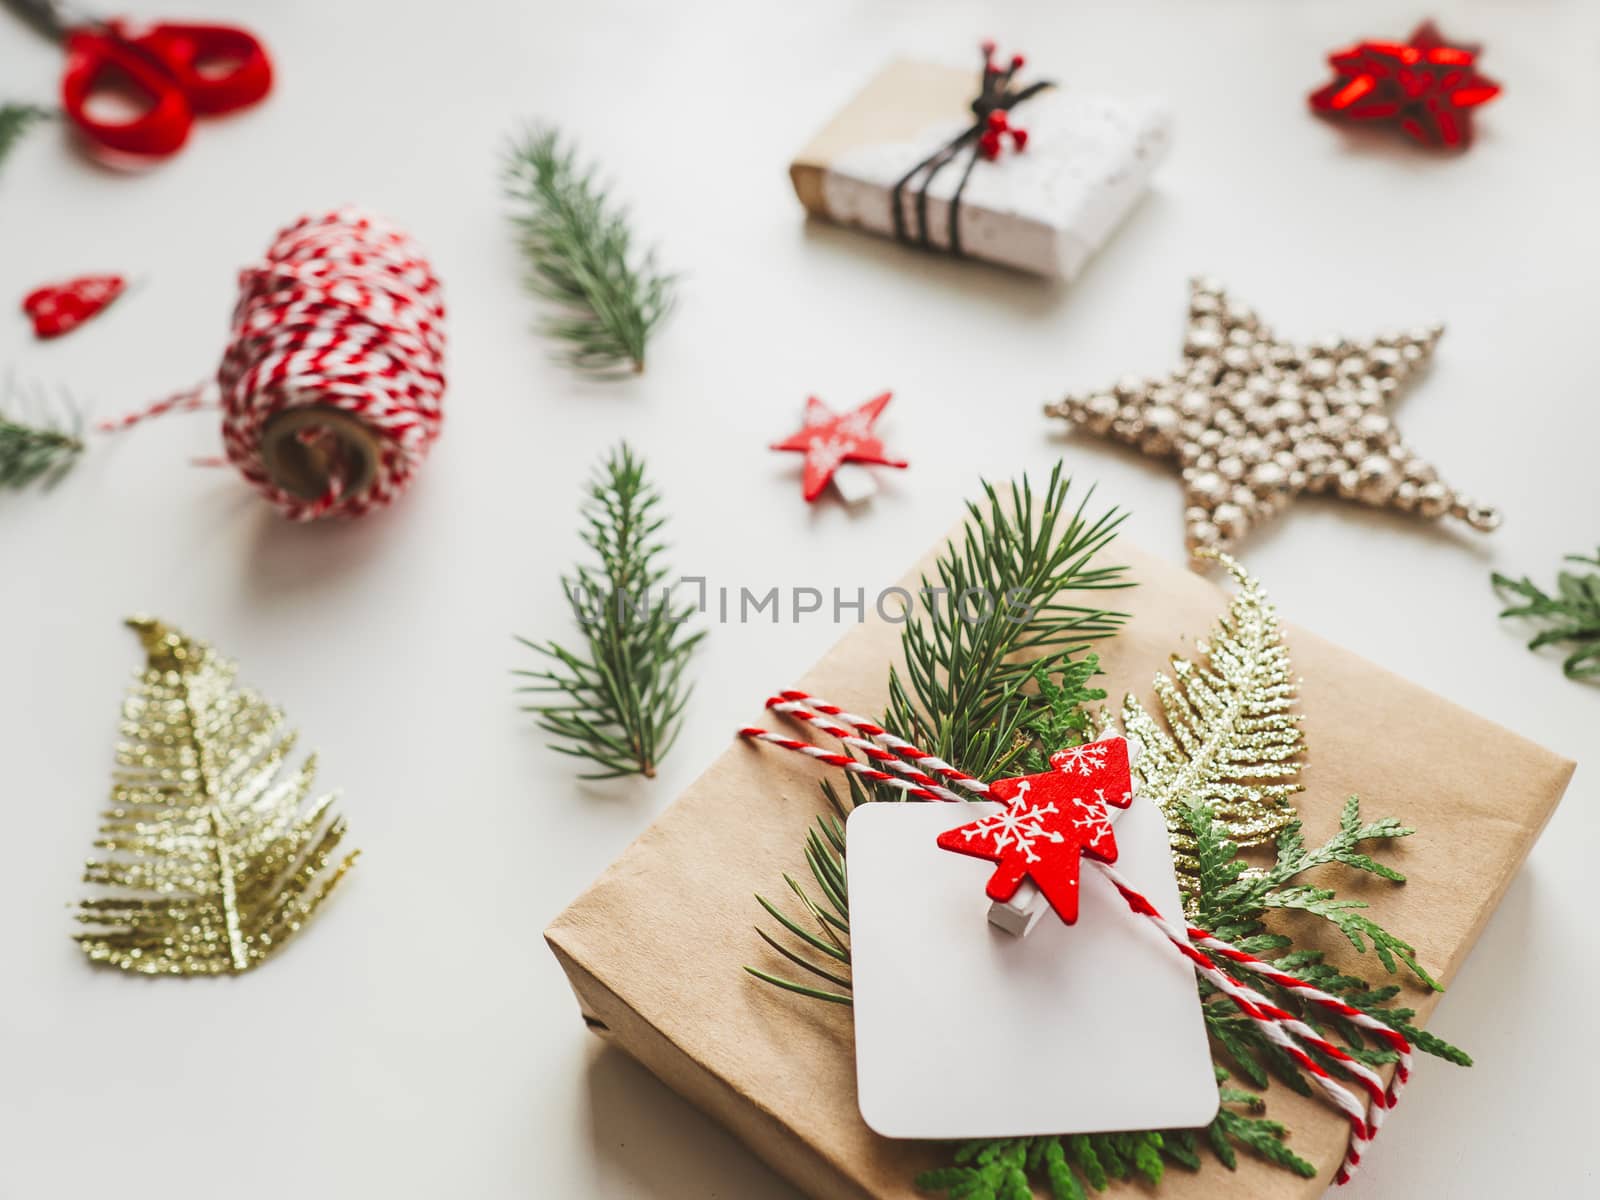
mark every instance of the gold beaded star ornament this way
{"type": "Point", "coordinates": [1254, 421]}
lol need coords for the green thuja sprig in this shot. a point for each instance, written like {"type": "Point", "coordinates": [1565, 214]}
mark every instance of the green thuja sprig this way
{"type": "Point", "coordinates": [36, 444]}
{"type": "Point", "coordinates": [1572, 615]}
{"type": "Point", "coordinates": [620, 698]}
{"type": "Point", "coordinates": [607, 299]}
{"type": "Point", "coordinates": [16, 120]}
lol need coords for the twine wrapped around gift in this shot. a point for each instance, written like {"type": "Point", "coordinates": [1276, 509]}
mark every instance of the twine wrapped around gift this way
{"type": "Point", "coordinates": [985, 138]}
{"type": "Point", "coordinates": [893, 761]}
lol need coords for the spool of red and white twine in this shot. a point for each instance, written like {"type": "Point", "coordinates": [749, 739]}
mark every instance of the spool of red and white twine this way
{"type": "Point", "coordinates": [894, 761]}
{"type": "Point", "coordinates": [332, 385]}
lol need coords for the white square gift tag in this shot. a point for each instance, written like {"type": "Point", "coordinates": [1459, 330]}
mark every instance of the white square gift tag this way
{"type": "Point", "coordinates": [964, 1031]}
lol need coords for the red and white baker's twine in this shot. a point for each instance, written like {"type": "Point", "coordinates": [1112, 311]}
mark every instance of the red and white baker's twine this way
{"type": "Point", "coordinates": [344, 313]}
{"type": "Point", "coordinates": [894, 761]}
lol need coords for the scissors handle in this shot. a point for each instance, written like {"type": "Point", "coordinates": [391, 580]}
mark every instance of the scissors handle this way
{"type": "Point", "coordinates": [100, 59]}
{"type": "Point", "coordinates": [168, 66]}
{"type": "Point", "coordinates": [186, 49]}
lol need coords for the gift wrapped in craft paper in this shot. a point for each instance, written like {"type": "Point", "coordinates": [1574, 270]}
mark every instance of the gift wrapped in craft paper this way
{"type": "Point", "coordinates": [655, 949]}
{"type": "Point", "coordinates": [1045, 209]}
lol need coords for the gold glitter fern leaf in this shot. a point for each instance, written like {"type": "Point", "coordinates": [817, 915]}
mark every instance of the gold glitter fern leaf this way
{"type": "Point", "coordinates": [1235, 741]}
{"type": "Point", "coordinates": [212, 858]}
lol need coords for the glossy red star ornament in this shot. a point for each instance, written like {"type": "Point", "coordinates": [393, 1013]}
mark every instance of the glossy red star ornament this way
{"type": "Point", "coordinates": [830, 439]}
{"type": "Point", "coordinates": [1049, 822]}
{"type": "Point", "coordinates": [1425, 85]}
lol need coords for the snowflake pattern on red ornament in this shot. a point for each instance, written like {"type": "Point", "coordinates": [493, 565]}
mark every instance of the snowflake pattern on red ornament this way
{"type": "Point", "coordinates": [1081, 760]}
{"type": "Point", "coordinates": [830, 439]}
{"type": "Point", "coordinates": [1049, 821]}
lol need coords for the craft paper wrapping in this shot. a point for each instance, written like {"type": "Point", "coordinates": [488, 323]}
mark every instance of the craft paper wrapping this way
{"type": "Point", "coordinates": [655, 949]}
{"type": "Point", "coordinates": [1045, 210]}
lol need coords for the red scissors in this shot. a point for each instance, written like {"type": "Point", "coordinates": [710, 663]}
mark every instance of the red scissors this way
{"type": "Point", "coordinates": [176, 70]}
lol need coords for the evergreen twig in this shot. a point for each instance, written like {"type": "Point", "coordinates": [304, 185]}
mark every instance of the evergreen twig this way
{"type": "Point", "coordinates": [580, 257]}
{"type": "Point", "coordinates": [994, 685]}
{"type": "Point", "coordinates": [620, 699]}
{"type": "Point", "coordinates": [35, 443]}
{"type": "Point", "coordinates": [15, 120]}
{"type": "Point", "coordinates": [1572, 615]}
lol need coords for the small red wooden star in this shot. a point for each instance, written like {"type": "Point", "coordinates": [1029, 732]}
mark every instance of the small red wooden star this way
{"type": "Point", "coordinates": [1425, 85]}
{"type": "Point", "coordinates": [1049, 822]}
{"type": "Point", "coordinates": [829, 439]}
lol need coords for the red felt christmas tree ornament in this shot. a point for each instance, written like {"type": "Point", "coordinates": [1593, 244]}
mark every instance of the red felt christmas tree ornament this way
{"type": "Point", "coordinates": [1049, 822]}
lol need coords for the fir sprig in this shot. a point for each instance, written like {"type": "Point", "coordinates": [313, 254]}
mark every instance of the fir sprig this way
{"type": "Point", "coordinates": [608, 299]}
{"type": "Point", "coordinates": [15, 120]}
{"type": "Point", "coordinates": [965, 693]}
{"type": "Point", "coordinates": [1572, 615]}
{"type": "Point", "coordinates": [36, 443]}
{"type": "Point", "coordinates": [621, 698]}
{"type": "Point", "coordinates": [996, 672]}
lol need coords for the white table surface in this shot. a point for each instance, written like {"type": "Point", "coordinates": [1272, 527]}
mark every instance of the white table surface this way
{"type": "Point", "coordinates": [420, 1040]}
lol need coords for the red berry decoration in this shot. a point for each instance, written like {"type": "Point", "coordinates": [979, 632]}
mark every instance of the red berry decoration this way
{"type": "Point", "coordinates": [998, 123]}
{"type": "Point", "coordinates": [1426, 86]}
{"type": "Point", "coordinates": [1049, 822]}
{"type": "Point", "coordinates": [58, 308]}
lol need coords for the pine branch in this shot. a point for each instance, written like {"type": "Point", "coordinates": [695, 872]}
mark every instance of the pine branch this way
{"type": "Point", "coordinates": [1572, 615]}
{"type": "Point", "coordinates": [621, 697]}
{"type": "Point", "coordinates": [607, 300]}
{"type": "Point", "coordinates": [991, 693]}
{"type": "Point", "coordinates": [964, 694]}
{"type": "Point", "coordinates": [36, 444]}
{"type": "Point", "coordinates": [16, 120]}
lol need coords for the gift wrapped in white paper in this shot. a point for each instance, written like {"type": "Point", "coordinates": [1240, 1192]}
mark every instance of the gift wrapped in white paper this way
{"type": "Point", "coordinates": [1045, 209]}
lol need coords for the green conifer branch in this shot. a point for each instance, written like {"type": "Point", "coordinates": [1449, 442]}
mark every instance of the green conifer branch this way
{"type": "Point", "coordinates": [620, 698]}
{"type": "Point", "coordinates": [1572, 615]}
{"type": "Point", "coordinates": [606, 299]}
{"type": "Point", "coordinates": [35, 443]}
{"type": "Point", "coordinates": [15, 120]}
